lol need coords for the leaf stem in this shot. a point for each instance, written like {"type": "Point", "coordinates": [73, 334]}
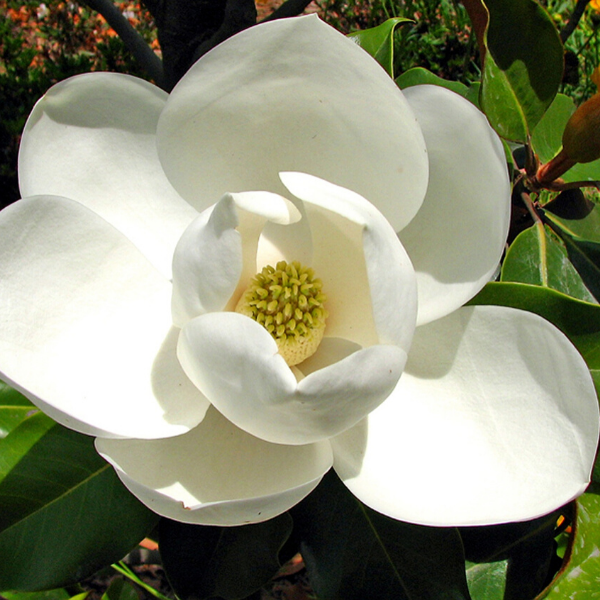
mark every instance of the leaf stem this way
{"type": "Point", "coordinates": [530, 205]}
{"type": "Point", "coordinates": [124, 570]}
{"type": "Point", "coordinates": [539, 225]}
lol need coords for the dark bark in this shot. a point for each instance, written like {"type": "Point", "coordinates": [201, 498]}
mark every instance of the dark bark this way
{"type": "Point", "coordinates": [291, 8]}
{"type": "Point", "coordinates": [187, 29]}
{"type": "Point", "coordinates": [569, 28]}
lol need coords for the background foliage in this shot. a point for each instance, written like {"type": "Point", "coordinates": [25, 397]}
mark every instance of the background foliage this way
{"type": "Point", "coordinates": [42, 43]}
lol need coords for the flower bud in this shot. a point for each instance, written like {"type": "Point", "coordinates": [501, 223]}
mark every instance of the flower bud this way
{"type": "Point", "coordinates": [581, 138]}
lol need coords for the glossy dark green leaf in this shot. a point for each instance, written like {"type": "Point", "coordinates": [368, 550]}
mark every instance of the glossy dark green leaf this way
{"type": "Point", "coordinates": [579, 320]}
{"type": "Point", "coordinates": [585, 256]}
{"type": "Point", "coordinates": [547, 139]}
{"type": "Point", "coordinates": [379, 42]}
{"type": "Point", "coordinates": [15, 447]}
{"type": "Point", "coordinates": [575, 208]}
{"type": "Point", "coordinates": [584, 172]}
{"type": "Point", "coordinates": [14, 408]}
{"type": "Point", "coordinates": [65, 514]}
{"type": "Point", "coordinates": [487, 581]}
{"type": "Point", "coordinates": [120, 589]}
{"type": "Point", "coordinates": [514, 560]}
{"type": "Point", "coordinates": [420, 76]}
{"type": "Point", "coordinates": [352, 552]}
{"type": "Point", "coordinates": [579, 576]}
{"type": "Point", "coordinates": [230, 562]}
{"type": "Point", "coordinates": [538, 257]}
{"type": "Point", "coordinates": [523, 66]}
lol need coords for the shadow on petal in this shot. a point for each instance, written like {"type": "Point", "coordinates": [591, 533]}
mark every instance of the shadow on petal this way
{"type": "Point", "coordinates": [331, 350]}
{"type": "Point", "coordinates": [427, 341]}
{"type": "Point", "coordinates": [181, 400]}
{"type": "Point", "coordinates": [69, 103]}
{"type": "Point", "coordinates": [217, 473]}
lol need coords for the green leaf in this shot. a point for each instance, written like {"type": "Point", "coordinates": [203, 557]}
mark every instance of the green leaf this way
{"type": "Point", "coordinates": [474, 93]}
{"type": "Point", "coordinates": [229, 562]}
{"type": "Point", "coordinates": [49, 595]}
{"type": "Point", "coordinates": [579, 320]}
{"type": "Point", "coordinates": [512, 560]}
{"type": "Point", "coordinates": [547, 139]}
{"type": "Point", "coordinates": [523, 66]}
{"type": "Point", "coordinates": [584, 172]}
{"type": "Point", "coordinates": [120, 589]}
{"type": "Point", "coordinates": [487, 581]}
{"type": "Point", "coordinates": [14, 408]}
{"type": "Point", "coordinates": [420, 76]}
{"type": "Point", "coordinates": [379, 42]}
{"type": "Point", "coordinates": [579, 577]}
{"type": "Point", "coordinates": [587, 228]}
{"type": "Point", "coordinates": [538, 258]}
{"type": "Point", "coordinates": [585, 256]}
{"type": "Point", "coordinates": [15, 446]}
{"type": "Point", "coordinates": [65, 514]}
{"type": "Point", "coordinates": [352, 552]}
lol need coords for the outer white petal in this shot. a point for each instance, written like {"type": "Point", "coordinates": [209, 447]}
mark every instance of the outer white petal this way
{"type": "Point", "coordinates": [234, 361]}
{"type": "Point", "coordinates": [218, 247]}
{"type": "Point", "coordinates": [92, 138]}
{"type": "Point", "coordinates": [366, 272]}
{"type": "Point", "coordinates": [495, 419]}
{"type": "Point", "coordinates": [292, 95]}
{"type": "Point", "coordinates": [217, 474]}
{"type": "Point", "coordinates": [85, 327]}
{"type": "Point", "coordinates": [457, 239]}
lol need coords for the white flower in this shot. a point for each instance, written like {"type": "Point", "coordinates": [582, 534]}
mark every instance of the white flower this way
{"type": "Point", "coordinates": [495, 417]}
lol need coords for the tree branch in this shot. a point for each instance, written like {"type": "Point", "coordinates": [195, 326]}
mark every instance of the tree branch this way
{"type": "Point", "coordinates": [569, 28]}
{"type": "Point", "coordinates": [291, 8]}
{"type": "Point", "coordinates": [239, 15]}
{"type": "Point", "coordinates": [131, 38]}
{"type": "Point", "coordinates": [189, 28]}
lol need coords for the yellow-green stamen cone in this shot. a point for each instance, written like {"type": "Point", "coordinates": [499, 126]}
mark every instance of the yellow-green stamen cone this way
{"type": "Point", "coordinates": [287, 300]}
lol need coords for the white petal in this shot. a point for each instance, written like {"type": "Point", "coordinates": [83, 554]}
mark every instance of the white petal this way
{"type": "Point", "coordinates": [92, 138]}
{"type": "Point", "coordinates": [495, 419]}
{"type": "Point", "coordinates": [457, 239]}
{"type": "Point", "coordinates": [234, 361]}
{"type": "Point", "coordinates": [292, 95]}
{"type": "Point", "coordinates": [217, 252]}
{"type": "Point", "coordinates": [217, 474]}
{"type": "Point", "coordinates": [367, 275]}
{"type": "Point", "coordinates": [85, 325]}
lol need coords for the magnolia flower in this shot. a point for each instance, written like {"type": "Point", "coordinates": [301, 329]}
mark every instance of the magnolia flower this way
{"type": "Point", "coordinates": [212, 284]}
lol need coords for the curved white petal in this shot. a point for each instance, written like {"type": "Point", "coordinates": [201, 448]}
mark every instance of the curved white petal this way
{"type": "Point", "coordinates": [217, 252]}
{"type": "Point", "coordinates": [366, 272]}
{"type": "Point", "coordinates": [495, 419]}
{"type": "Point", "coordinates": [234, 361]}
{"type": "Point", "coordinates": [292, 95]}
{"type": "Point", "coordinates": [457, 239]}
{"type": "Point", "coordinates": [207, 264]}
{"type": "Point", "coordinates": [92, 138]}
{"type": "Point", "coordinates": [85, 327]}
{"type": "Point", "coordinates": [217, 474]}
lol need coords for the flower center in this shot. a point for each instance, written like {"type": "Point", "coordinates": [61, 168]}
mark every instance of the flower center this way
{"type": "Point", "coordinates": [288, 302]}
